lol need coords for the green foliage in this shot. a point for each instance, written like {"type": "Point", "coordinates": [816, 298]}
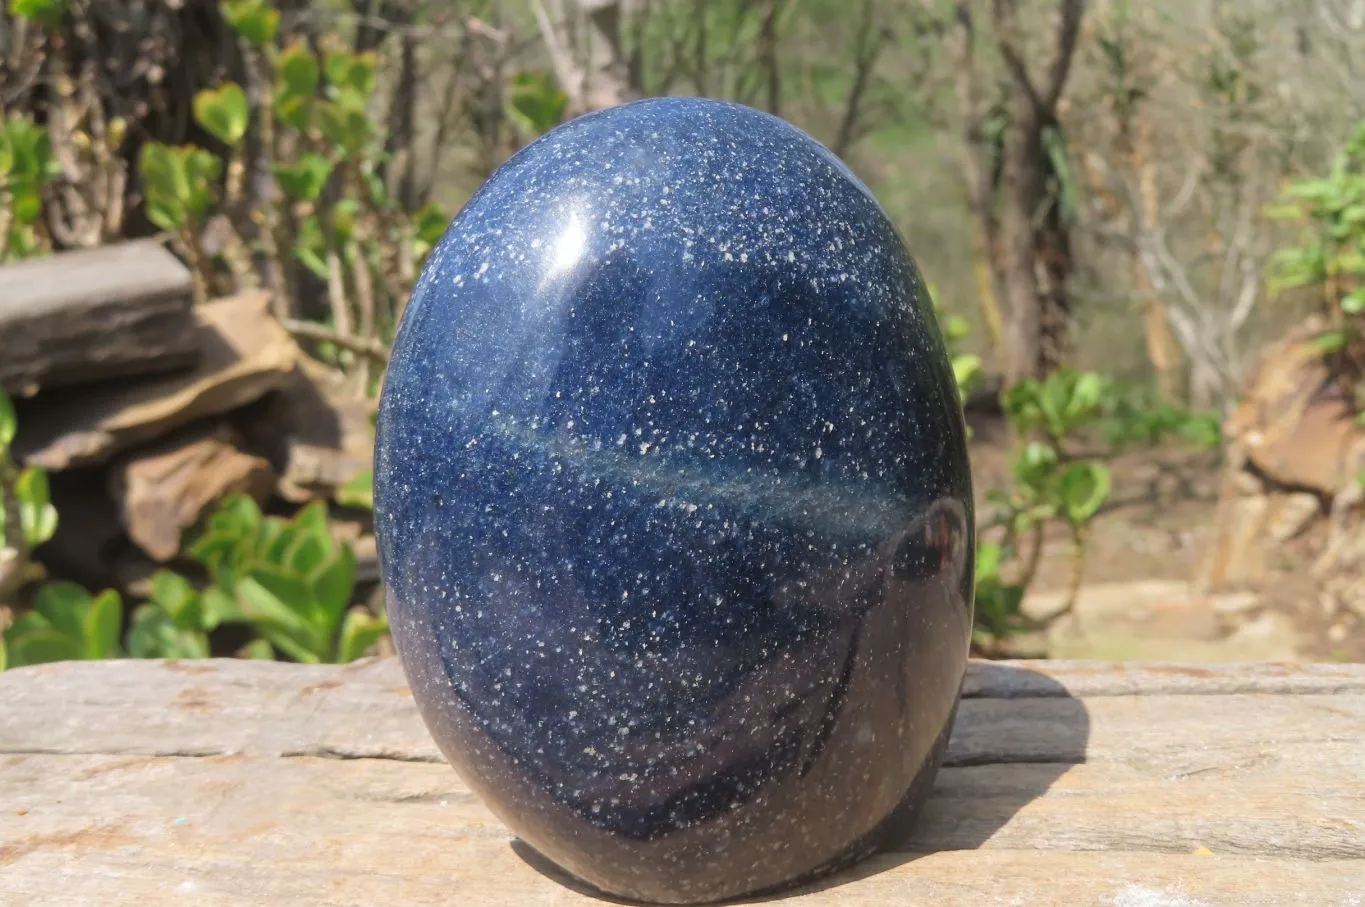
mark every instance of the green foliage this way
{"type": "Point", "coordinates": [359, 492]}
{"type": "Point", "coordinates": [67, 623]}
{"type": "Point", "coordinates": [967, 369]}
{"type": "Point", "coordinates": [9, 422]}
{"type": "Point", "coordinates": [1332, 257]}
{"type": "Point", "coordinates": [1066, 403]}
{"type": "Point", "coordinates": [1137, 417]}
{"type": "Point", "coordinates": [255, 20]}
{"type": "Point", "coordinates": [1055, 479]}
{"type": "Point", "coordinates": [304, 179]}
{"type": "Point", "coordinates": [47, 13]}
{"type": "Point", "coordinates": [291, 581]}
{"type": "Point", "coordinates": [351, 78]}
{"type": "Point", "coordinates": [36, 513]}
{"type": "Point", "coordinates": [180, 184]}
{"type": "Point", "coordinates": [429, 225]}
{"type": "Point", "coordinates": [536, 105]}
{"type": "Point", "coordinates": [298, 74]}
{"type": "Point", "coordinates": [223, 112]}
{"type": "Point", "coordinates": [26, 167]}
{"type": "Point", "coordinates": [37, 516]}
{"type": "Point", "coordinates": [175, 623]}
{"type": "Point", "coordinates": [997, 601]}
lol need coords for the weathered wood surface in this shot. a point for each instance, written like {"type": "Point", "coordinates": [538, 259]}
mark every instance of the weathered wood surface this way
{"type": "Point", "coordinates": [149, 783]}
{"type": "Point", "coordinates": [77, 317]}
{"type": "Point", "coordinates": [243, 354]}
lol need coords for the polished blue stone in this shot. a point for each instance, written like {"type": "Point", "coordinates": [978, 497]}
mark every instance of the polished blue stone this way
{"type": "Point", "coordinates": [674, 506]}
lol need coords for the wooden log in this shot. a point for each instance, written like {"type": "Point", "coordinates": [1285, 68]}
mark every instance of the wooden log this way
{"type": "Point", "coordinates": [80, 317]}
{"type": "Point", "coordinates": [244, 354]}
{"type": "Point", "coordinates": [224, 782]}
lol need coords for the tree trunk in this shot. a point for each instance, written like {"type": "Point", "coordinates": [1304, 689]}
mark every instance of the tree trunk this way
{"type": "Point", "coordinates": [1016, 261]}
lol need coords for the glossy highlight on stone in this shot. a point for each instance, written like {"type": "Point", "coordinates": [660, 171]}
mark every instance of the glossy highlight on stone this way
{"type": "Point", "coordinates": [674, 505]}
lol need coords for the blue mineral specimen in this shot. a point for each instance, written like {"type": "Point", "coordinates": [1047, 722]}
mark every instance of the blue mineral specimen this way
{"type": "Point", "coordinates": [674, 507]}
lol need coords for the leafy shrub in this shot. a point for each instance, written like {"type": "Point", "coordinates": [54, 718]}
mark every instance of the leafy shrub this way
{"type": "Point", "coordinates": [289, 580]}
{"type": "Point", "coordinates": [1332, 257]}
{"type": "Point", "coordinates": [26, 167]}
{"type": "Point", "coordinates": [67, 623]}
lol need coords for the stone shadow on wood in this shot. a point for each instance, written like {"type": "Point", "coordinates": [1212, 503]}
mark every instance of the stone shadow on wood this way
{"type": "Point", "coordinates": [1016, 732]}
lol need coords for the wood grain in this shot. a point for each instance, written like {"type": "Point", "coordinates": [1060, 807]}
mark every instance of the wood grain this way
{"type": "Point", "coordinates": [77, 317]}
{"type": "Point", "coordinates": [242, 354]}
{"type": "Point", "coordinates": [238, 782]}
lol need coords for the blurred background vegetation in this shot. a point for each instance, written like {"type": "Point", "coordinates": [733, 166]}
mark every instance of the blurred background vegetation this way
{"type": "Point", "coordinates": [1144, 224]}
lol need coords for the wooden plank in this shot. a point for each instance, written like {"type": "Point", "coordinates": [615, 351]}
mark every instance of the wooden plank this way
{"type": "Point", "coordinates": [245, 782]}
{"type": "Point", "coordinates": [268, 708]}
{"type": "Point", "coordinates": [244, 354]}
{"type": "Point", "coordinates": [78, 317]}
{"type": "Point", "coordinates": [322, 831]}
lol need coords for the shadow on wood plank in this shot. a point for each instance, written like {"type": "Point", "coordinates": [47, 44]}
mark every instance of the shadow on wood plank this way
{"type": "Point", "coordinates": [962, 812]}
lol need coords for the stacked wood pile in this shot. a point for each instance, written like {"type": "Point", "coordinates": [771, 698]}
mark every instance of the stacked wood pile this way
{"type": "Point", "coordinates": [146, 410]}
{"type": "Point", "coordinates": [1295, 472]}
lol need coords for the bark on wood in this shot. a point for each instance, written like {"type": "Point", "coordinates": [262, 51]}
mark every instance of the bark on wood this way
{"type": "Point", "coordinates": [1070, 783]}
{"type": "Point", "coordinates": [243, 354]}
{"type": "Point", "coordinates": [79, 317]}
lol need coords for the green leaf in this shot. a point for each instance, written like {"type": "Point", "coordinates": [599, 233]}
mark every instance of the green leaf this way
{"type": "Point", "coordinates": [4, 654]}
{"type": "Point", "coordinates": [334, 584]}
{"type": "Point", "coordinates": [429, 223]}
{"type": "Point", "coordinates": [304, 179]}
{"type": "Point", "coordinates": [103, 621]}
{"type": "Point", "coordinates": [276, 621]}
{"type": "Point", "coordinates": [258, 650]}
{"type": "Point", "coordinates": [298, 72]}
{"type": "Point", "coordinates": [220, 608]}
{"type": "Point", "coordinates": [26, 202]}
{"type": "Point", "coordinates": [359, 631]}
{"type": "Point", "coordinates": [254, 20]}
{"type": "Point", "coordinates": [223, 112]}
{"type": "Point", "coordinates": [289, 589]}
{"type": "Point", "coordinates": [178, 598]}
{"type": "Point", "coordinates": [180, 183]}
{"type": "Point", "coordinates": [343, 218]}
{"type": "Point", "coordinates": [1331, 341]}
{"type": "Point", "coordinates": [42, 647]}
{"type": "Point", "coordinates": [1353, 303]}
{"type": "Point", "coordinates": [309, 246]}
{"type": "Point", "coordinates": [309, 553]}
{"type": "Point", "coordinates": [1034, 464]}
{"type": "Point", "coordinates": [9, 423]}
{"type": "Point", "coordinates": [536, 103]}
{"type": "Point", "coordinates": [1084, 489]}
{"type": "Point", "coordinates": [966, 370]}
{"type": "Point", "coordinates": [1086, 394]}
{"type": "Point", "coordinates": [154, 635]}
{"type": "Point", "coordinates": [63, 605]}
{"type": "Point", "coordinates": [345, 127]}
{"type": "Point", "coordinates": [30, 153]}
{"type": "Point", "coordinates": [47, 13]}
{"type": "Point", "coordinates": [36, 513]}
{"type": "Point", "coordinates": [314, 519]}
{"type": "Point", "coordinates": [353, 77]}
{"type": "Point", "coordinates": [358, 492]}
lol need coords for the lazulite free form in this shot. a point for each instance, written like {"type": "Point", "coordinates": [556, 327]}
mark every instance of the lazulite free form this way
{"type": "Point", "coordinates": [674, 506]}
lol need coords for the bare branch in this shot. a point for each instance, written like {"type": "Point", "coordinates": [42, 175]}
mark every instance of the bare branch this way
{"type": "Point", "coordinates": [364, 346]}
{"type": "Point", "coordinates": [1068, 31]}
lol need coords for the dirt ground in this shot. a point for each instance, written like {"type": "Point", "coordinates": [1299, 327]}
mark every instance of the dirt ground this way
{"type": "Point", "coordinates": [1138, 601]}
